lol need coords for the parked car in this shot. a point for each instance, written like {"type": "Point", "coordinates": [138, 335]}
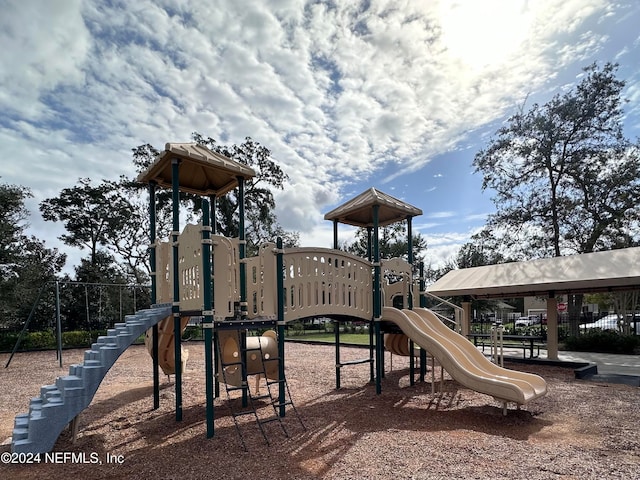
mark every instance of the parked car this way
{"type": "Point", "coordinates": [610, 322]}
{"type": "Point", "coordinates": [527, 321]}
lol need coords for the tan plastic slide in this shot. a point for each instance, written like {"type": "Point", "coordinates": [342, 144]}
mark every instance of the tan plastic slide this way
{"type": "Point", "coordinates": [463, 361]}
{"type": "Point", "coordinates": [166, 348]}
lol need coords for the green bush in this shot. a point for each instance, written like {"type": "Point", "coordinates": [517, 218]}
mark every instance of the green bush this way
{"type": "Point", "coordinates": [295, 328]}
{"type": "Point", "coordinates": [192, 333]}
{"type": "Point", "coordinates": [76, 338]}
{"type": "Point", "coordinates": [603, 341]}
{"type": "Point", "coordinates": [8, 340]}
{"type": "Point", "coordinates": [38, 340]}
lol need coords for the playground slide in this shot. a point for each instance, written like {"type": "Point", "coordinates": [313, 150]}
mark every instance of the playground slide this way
{"type": "Point", "coordinates": [166, 346]}
{"type": "Point", "coordinates": [463, 361]}
{"type": "Point", "coordinates": [474, 355]}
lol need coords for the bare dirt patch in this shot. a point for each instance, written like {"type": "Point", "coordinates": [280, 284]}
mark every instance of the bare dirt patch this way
{"type": "Point", "coordinates": [580, 430]}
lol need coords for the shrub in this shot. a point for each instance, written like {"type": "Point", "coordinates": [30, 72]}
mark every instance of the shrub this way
{"type": "Point", "coordinates": [295, 328]}
{"type": "Point", "coordinates": [8, 341]}
{"type": "Point", "coordinates": [76, 338]}
{"type": "Point", "coordinates": [192, 333]}
{"type": "Point", "coordinates": [603, 341]}
{"type": "Point", "coordinates": [38, 340]}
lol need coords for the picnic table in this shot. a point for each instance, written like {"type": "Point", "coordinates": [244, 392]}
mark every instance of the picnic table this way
{"type": "Point", "coordinates": [526, 342]}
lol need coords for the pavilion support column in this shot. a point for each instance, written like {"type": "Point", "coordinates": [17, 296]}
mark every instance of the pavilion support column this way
{"type": "Point", "coordinates": [466, 318]}
{"type": "Point", "coordinates": [552, 327]}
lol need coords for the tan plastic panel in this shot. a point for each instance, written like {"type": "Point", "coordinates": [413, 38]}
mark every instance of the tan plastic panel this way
{"type": "Point", "coordinates": [190, 267]}
{"type": "Point", "coordinates": [324, 282]}
{"type": "Point", "coordinates": [261, 283]}
{"type": "Point", "coordinates": [226, 280]}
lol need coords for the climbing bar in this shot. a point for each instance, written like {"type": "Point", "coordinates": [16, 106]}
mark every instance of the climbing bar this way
{"type": "Point", "coordinates": [354, 362]}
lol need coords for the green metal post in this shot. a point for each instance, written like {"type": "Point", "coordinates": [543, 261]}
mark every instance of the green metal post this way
{"type": "Point", "coordinates": [242, 251]}
{"type": "Point", "coordinates": [372, 345]}
{"type": "Point", "coordinates": [410, 261]}
{"type": "Point", "coordinates": [336, 323]}
{"type": "Point", "coordinates": [423, 304]}
{"type": "Point", "coordinates": [280, 306]}
{"type": "Point", "coordinates": [208, 315]}
{"type": "Point", "coordinates": [214, 231]}
{"type": "Point", "coordinates": [154, 293]}
{"type": "Point", "coordinates": [177, 331]}
{"type": "Point", "coordinates": [377, 303]}
{"type": "Point", "coordinates": [336, 328]}
{"type": "Point", "coordinates": [412, 361]}
{"type": "Point", "coordinates": [243, 285]}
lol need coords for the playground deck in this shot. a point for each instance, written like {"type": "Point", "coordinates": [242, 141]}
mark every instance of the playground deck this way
{"type": "Point", "coordinates": [579, 430]}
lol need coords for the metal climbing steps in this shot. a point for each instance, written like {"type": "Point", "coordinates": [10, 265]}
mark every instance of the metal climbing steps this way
{"type": "Point", "coordinates": [281, 403]}
{"type": "Point", "coordinates": [58, 404]}
{"type": "Point", "coordinates": [252, 399]}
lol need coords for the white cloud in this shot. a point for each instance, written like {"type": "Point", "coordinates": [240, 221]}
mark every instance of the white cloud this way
{"type": "Point", "coordinates": [45, 45]}
{"type": "Point", "coordinates": [336, 92]}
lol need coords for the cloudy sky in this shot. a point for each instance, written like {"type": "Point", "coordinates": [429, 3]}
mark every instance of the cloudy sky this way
{"type": "Point", "coordinates": [397, 94]}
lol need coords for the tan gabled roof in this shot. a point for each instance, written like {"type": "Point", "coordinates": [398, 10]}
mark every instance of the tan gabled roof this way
{"type": "Point", "coordinates": [614, 270]}
{"type": "Point", "coordinates": [201, 171]}
{"type": "Point", "coordinates": [359, 210]}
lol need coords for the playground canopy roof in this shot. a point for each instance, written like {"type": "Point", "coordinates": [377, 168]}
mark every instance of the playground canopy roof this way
{"type": "Point", "coordinates": [202, 171]}
{"type": "Point", "coordinates": [359, 210]}
{"type": "Point", "coordinates": [614, 270]}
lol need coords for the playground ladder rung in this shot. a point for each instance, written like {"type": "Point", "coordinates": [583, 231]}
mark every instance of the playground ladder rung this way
{"type": "Point", "coordinates": [260, 397]}
{"type": "Point", "coordinates": [243, 412]}
{"type": "Point", "coordinates": [355, 362]}
{"type": "Point", "coordinates": [275, 382]}
{"type": "Point", "coordinates": [269, 420]}
{"type": "Point", "coordinates": [283, 404]}
{"type": "Point", "coordinates": [233, 389]}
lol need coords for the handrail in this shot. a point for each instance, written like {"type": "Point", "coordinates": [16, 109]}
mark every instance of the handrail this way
{"type": "Point", "coordinates": [458, 311]}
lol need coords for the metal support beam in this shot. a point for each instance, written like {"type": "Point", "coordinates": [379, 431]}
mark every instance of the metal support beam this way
{"type": "Point", "coordinates": [154, 293]}
{"type": "Point", "coordinates": [280, 307]}
{"type": "Point", "coordinates": [377, 300]}
{"type": "Point", "coordinates": [177, 330]}
{"type": "Point", "coordinates": [208, 317]}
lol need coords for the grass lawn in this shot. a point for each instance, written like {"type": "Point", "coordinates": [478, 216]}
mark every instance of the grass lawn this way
{"type": "Point", "coordinates": [355, 338]}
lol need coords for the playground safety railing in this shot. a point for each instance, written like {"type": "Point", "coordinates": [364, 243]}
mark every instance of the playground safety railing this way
{"type": "Point", "coordinates": [324, 281]}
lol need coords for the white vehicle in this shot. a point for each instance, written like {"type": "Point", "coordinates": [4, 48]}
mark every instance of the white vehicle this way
{"type": "Point", "coordinates": [527, 321]}
{"type": "Point", "coordinates": [610, 322]}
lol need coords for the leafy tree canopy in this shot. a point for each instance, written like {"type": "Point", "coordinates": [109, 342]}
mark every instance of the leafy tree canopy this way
{"type": "Point", "coordinates": [25, 262]}
{"type": "Point", "coordinates": [392, 242]}
{"type": "Point", "coordinates": [565, 178]}
{"type": "Point", "coordinates": [92, 215]}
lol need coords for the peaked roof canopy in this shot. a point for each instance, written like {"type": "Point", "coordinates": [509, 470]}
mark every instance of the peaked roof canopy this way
{"type": "Point", "coordinates": [614, 270]}
{"type": "Point", "coordinates": [202, 171]}
{"type": "Point", "coordinates": [359, 210]}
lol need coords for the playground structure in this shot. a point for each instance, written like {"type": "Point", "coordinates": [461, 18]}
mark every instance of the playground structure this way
{"type": "Point", "coordinates": [198, 273]}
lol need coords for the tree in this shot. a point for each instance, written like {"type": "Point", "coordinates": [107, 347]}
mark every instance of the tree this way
{"type": "Point", "coordinates": [25, 262]}
{"type": "Point", "coordinates": [477, 253]}
{"type": "Point", "coordinates": [93, 215]}
{"type": "Point", "coordinates": [13, 214]}
{"type": "Point", "coordinates": [566, 179]}
{"type": "Point", "coordinates": [564, 176]}
{"type": "Point", "coordinates": [392, 242]}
